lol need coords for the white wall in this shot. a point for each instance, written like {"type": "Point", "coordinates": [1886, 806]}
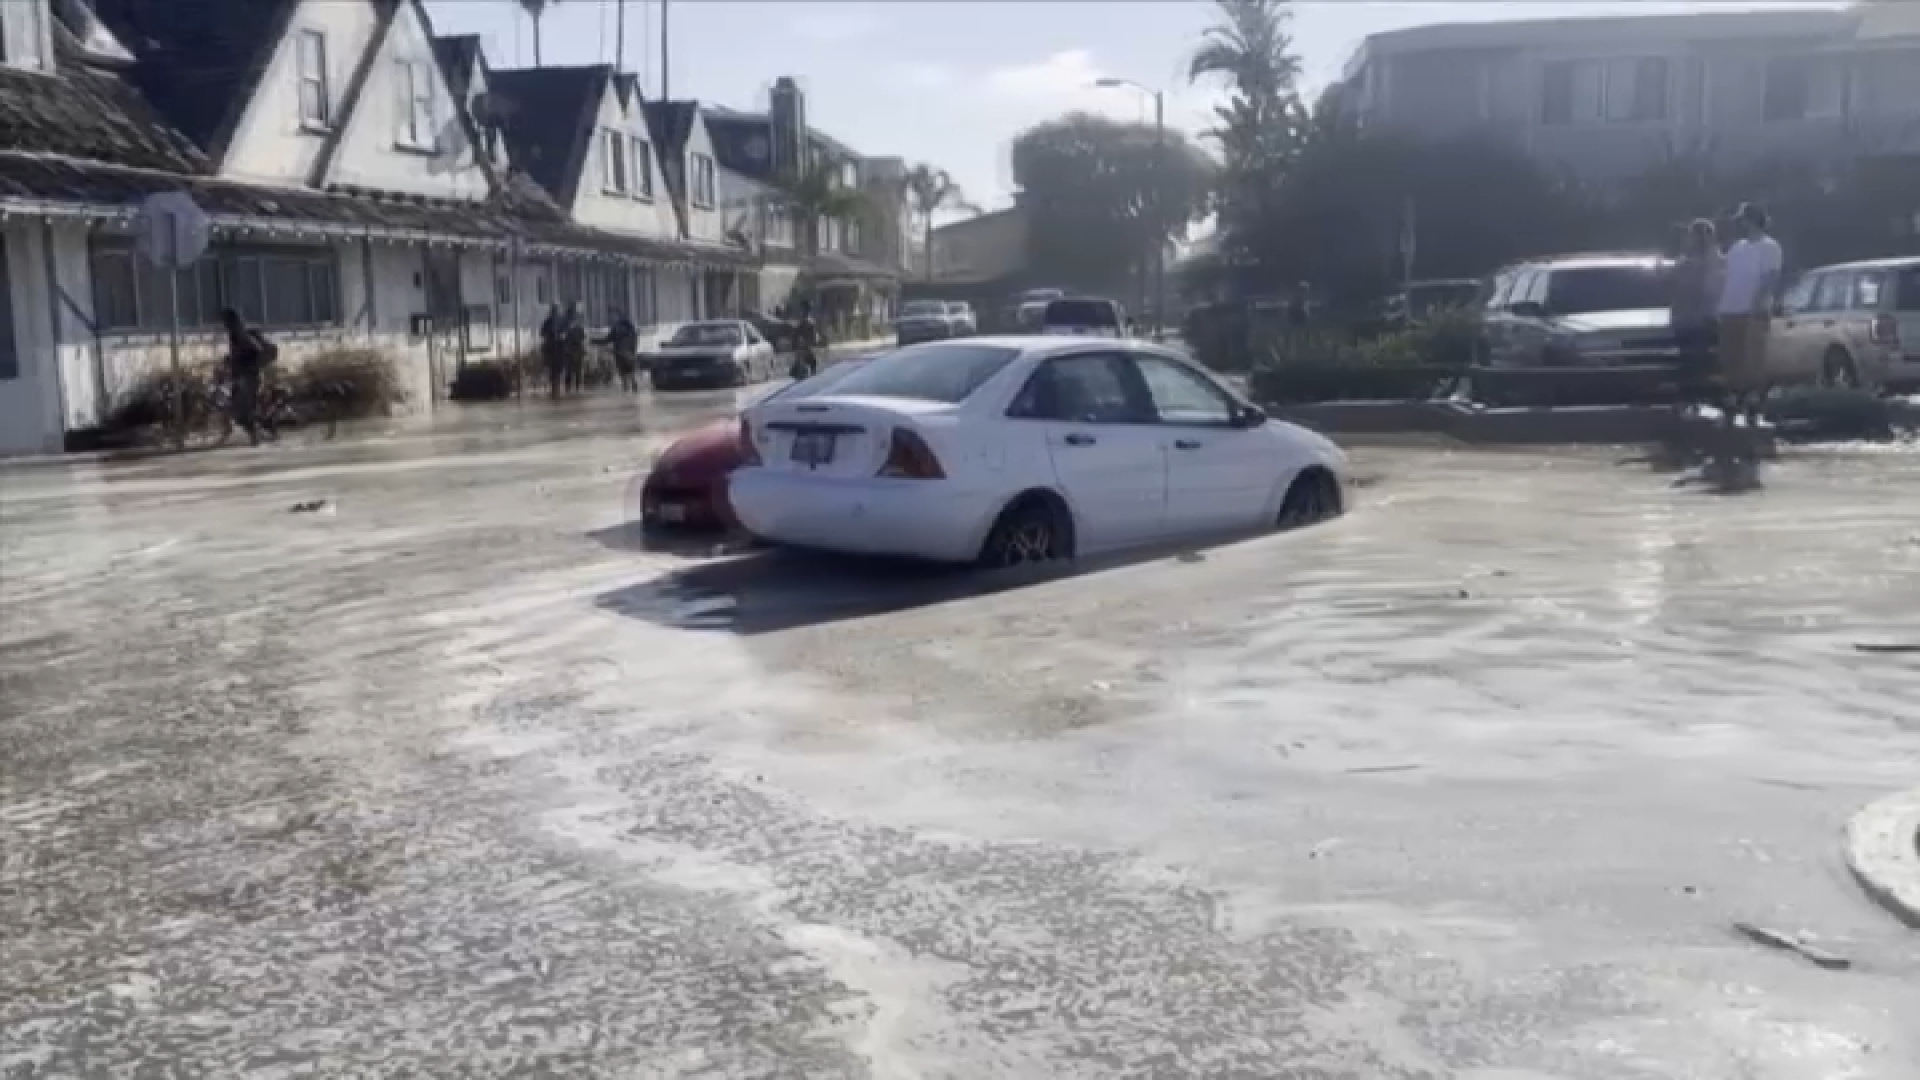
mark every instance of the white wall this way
{"type": "Point", "coordinates": [370, 154]}
{"type": "Point", "coordinates": [269, 143]}
{"type": "Point", "coordinates": [634, 213]}
{"type": "Point", "coordinates": [29, 402]}
{"type": "Point", "coordinates": [705, 224]}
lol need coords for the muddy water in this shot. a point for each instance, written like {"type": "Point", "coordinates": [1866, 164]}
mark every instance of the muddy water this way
{"type": "Point", "coordinates": [453, 781]}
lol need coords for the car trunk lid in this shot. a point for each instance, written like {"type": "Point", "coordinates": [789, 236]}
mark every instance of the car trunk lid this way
{"type": "Point", "coordinates": [835, 436]}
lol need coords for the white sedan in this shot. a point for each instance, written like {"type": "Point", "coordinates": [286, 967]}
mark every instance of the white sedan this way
{"type": "Point", "coordinates": [1002, 450]}
{"type": "Point", "coordinates": [715, 353]}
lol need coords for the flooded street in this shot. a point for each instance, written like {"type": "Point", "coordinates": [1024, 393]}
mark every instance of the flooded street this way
{"type": "Point", "coordinates": [456, 778]}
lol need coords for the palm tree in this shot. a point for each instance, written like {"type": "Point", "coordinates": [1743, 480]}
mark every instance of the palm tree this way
{"type": "Point", "coordinates": [535, 9]}
{"type": "Point", "coordinates": [932, 190]}
{"type": "Point", "coordinates": [817, 195]}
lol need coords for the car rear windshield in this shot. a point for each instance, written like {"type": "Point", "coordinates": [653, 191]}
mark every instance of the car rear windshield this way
{"type": "Point", "coordinates": [1906, 289]}
{"type": "Point", "coordinates": [1080, 313]}
{"type": "Point", "coordinates": [1588, 289]}
{"type": "Point", "coordinates": [924, 307]}
{"type": "Point", "coordinates": [818, 384]}
{"type": "Point", "coordinates": [943, 373]}
{"type": "Point", "coordinates": [706, 334]}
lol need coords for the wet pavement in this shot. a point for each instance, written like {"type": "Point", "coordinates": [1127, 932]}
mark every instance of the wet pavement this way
{"type": "Point", "coordinates": [456, 778]}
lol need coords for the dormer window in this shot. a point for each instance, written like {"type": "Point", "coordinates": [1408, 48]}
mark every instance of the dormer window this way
{"type": "Point", "coordinates": [316, 113]}
{"type": "Point", "coordinates": [23, 34]}
{"type": "Point", "coordinates": [613, 161]}
{"type": "Point", "coordinates": [642, 154]}
{"type": "Point", "coordinates": [705, 190]}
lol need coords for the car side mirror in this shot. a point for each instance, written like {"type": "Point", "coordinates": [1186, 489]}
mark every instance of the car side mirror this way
{"type": "Point", "coordinates": [1528, 309]}
{"type": "Point", "coordinates": [1249, 416]}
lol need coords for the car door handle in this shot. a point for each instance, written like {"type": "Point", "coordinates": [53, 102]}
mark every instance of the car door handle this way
{"type": "Point", "coordinates": [1186, 444]}
{"type": "Point", "coordinates": [1077, 439]}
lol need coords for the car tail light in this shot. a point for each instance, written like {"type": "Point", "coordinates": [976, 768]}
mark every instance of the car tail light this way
{"type": "Point", "coordinates": [909, 457]}
{"type": "Point", "coordinates": [749, 453]}
{"type": "Point", "coordinates": [1885, 331]}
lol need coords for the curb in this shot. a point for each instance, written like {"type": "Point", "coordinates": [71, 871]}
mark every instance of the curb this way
{"type": "Point", "coordinates": [1883, 851]}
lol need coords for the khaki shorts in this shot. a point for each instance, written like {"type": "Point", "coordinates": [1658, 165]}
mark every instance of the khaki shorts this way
{"type": "Point", "coordinates": [1743, 351]}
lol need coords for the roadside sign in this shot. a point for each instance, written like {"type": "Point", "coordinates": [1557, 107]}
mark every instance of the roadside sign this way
{"type": "Point", "coordinates": [170, 229]}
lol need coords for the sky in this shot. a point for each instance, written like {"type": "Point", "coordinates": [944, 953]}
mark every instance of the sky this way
{"type": "Point", "coordinates": [951, 82]}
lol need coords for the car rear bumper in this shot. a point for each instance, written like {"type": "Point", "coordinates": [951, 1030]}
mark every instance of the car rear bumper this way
{"type": "Point", "coordinates": [710, 378]}
{"type": "Point", "coordinates": [681, 505]}
{"type": "Point", "coordinates": [922, 519]}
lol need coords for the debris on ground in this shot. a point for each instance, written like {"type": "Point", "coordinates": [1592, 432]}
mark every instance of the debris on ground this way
{"type": "Point", "coordinates": [1773, 939]}
{"type": "Point", "coordinates": [1886, 646]}
{"type": "Point", "coordinates": [313, 506]}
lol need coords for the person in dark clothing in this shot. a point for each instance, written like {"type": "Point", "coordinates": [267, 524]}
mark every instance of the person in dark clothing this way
{"type": "Point", "coordinates": [624, 339]}
{"type": "Point", "coordinates": [248, 354]}
{"type": "Point", "coordinates": [806, 337]}
{"type": "Point", "coordinates": [573, 348]}
{"type": "Point", "coordinates": [552, 348]}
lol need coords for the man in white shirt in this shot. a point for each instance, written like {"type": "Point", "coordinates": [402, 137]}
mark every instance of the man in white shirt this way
{"type": "Point", "coordinates": [1751, 279]}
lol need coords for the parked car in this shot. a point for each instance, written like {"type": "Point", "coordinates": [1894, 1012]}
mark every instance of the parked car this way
{"type": "Point", "coordinates": [1002, 450]}
{"type": "Point", "coordinates": [922, 320]}
{"type": "Point", "coordinates": [687, 486]}
{"type": "Point", "coordinates": [1579, 311]}
{"type": "Point", "coordinates": [960, 314]}
{"type": "Point", "coordinates": [715, 353]}
{"type": "Point", "coordinates": [1084, 316]}
{"type": "Point", "coordinates": [1856, 324]}
{"type": "Point", "coordinates": [778, 332]}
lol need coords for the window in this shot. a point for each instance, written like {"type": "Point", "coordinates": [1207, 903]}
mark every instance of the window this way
{"type": "Point", "coordinates": [704, 194]}
{"type": "Point", "coordinates": [1834, 292]}
{"type": "Point", "coordinates": [948, 373]}
{"type": "Point", "coordinates": [414, 115]}
{"type": "Point", "coordinates": [311, 54]}
{"type": "Point", "coordinates": [1089, 388]}
{"type": "Point", "coordinates": [1584, 290]}
{"type": "Point", "coordinates": [1097, 314]}
{"type": "Point", "coordinates": [1869, 290]}
{"type": "Point", "coordinates": [707, 333]}
{"type": "Point", "coordinates": [286, 287]}
{"type": "Point", "coordinates": [1906, 289]}
{"type": "Point", "coordinates": [1625, 90]}
{"type": "Point", "coordinates": [1805, 88]}
{"type": "Point", "coordinates": [20, 40]}
{"type": "Point", "coordinates": [1182, 396]}
{"type": "Point", "coordinates": [641, 153]}
{"type": "Point", "coordinates": [1800, 297]}
{"type": "Point", "coordinates": [1502, 290]}
{"type": "Point", "coordinates": [613, 161]}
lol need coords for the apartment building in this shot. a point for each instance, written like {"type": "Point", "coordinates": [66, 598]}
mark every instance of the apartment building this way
{"type": "Point", "coordinates": [1608, 97]}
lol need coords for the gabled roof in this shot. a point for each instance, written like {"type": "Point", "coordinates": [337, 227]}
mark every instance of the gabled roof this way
{"type": "Point", "coordinates": [548, 115]}
{"type": "Point", "coordinates": [458, 54]}
{"type": "Point", "coordinates": [671, 124]}
{"type": "Point", "coordinates": [199, 61]}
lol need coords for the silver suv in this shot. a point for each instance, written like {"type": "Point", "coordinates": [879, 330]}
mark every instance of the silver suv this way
{"type": "Point", "coordinates": [1857, 324]}
{"type": "Point", "coordinates": [1579, 311]}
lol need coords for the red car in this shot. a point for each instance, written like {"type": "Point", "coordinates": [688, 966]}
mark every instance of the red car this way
{"type": "Point", "coordinates": [687, 486]}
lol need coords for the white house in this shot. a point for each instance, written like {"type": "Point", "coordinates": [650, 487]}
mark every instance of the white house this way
{"type": "Point", "coordinates": [353, 175]}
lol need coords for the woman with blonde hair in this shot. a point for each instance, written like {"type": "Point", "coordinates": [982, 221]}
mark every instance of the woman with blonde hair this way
{"type": "Point", "coordinates": [1697, 279]}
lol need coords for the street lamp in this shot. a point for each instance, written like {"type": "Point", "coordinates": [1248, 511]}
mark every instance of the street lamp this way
{"type": "Point", "coordinates": [1160, 175]}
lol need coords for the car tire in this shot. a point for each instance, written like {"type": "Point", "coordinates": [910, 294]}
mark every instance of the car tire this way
{"type": "Point", "coordinates": [1313, 497]}
{"type": "Point", "coordinates": [1031, 530]}
{"type": "Point", "coordinates": [1837, 369]}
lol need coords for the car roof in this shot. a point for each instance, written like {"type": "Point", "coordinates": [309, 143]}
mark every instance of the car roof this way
{"type": "Point", "coordinates": [1042, 346]}
{"type": "Point", "coordinates": [1594, 260]}
{"type": "Point", "coordinates": [1896, 262]}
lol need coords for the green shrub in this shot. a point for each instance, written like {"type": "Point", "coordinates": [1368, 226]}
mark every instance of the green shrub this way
{"type": "Point", "coordinates": [346, 383]}
{"type": "Point", "coordinates": [485, 380]}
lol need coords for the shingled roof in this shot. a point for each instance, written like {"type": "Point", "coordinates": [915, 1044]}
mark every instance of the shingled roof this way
{"type": "Point", "coordinates": [89, 115]}
{"type": "Point", "coordinates": [457, 55]}
{"type": "Point", "coordinates": [199, 61]}
{"type": "Point", "coordinates": [547, 115]}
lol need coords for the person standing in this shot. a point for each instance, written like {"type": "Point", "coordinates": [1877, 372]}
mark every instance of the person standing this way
{"type": "Point", "coordinates": [806, 336]}
{"type": "Point", "coordinates": [1697, 281]}
{"type": "Point", "coordinates": [573, 347]}
{"type": "Point", "coordinates": [248, 354]}
{"type": "Point", "coordinates": [624, 339]}
{"type": "Point", "coordinates": [552, 348]}
{"type": "Point", "coordinates": [1750, 282]}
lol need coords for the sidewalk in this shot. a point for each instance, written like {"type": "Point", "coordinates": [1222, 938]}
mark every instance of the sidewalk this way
{"type": "Point", "coordinates": [587, 412]}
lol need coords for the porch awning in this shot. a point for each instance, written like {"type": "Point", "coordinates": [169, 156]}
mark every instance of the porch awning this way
{"type": "Point", "coordinates": [835, 267]}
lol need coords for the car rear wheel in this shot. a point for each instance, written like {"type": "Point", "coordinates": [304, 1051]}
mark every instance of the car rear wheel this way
{"type": "Point", "coordinates": [1032, 530]}
{"type": "Point", "coordinates": [1313, 497]}
{"type": "Point", "coordinates": [1837, 369]}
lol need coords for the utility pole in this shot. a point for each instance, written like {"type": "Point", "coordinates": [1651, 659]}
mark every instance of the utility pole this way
{"type": "Point", "coordinates": [1160, 225]}
{"type": "Point", "coordinates": [666, 49]}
